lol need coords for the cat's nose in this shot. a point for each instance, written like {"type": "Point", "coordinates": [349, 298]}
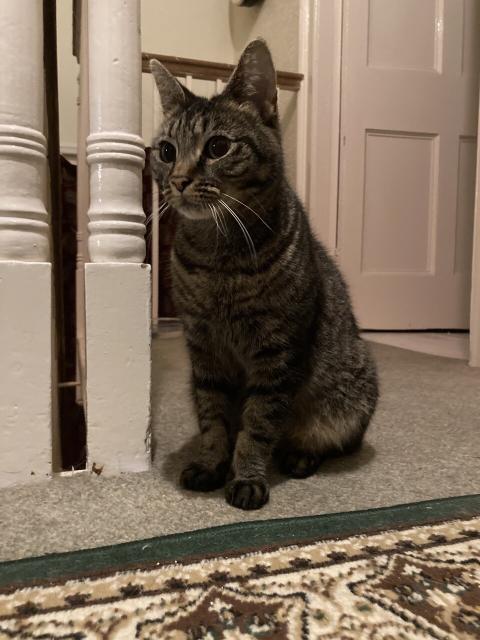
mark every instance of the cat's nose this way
{"type": "Point", "coordinates": [180, 182]}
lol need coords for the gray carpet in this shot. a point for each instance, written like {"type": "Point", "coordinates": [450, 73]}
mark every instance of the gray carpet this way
{"type": "Point", "coordinates": [424, 443]}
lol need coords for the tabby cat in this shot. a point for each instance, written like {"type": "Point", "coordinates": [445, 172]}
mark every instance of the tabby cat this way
{"type": "Point", "coordinates": [278, 367]}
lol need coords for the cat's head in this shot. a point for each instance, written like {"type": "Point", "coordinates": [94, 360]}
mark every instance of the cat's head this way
{"type": "Point", "coordinates": [222, 149]}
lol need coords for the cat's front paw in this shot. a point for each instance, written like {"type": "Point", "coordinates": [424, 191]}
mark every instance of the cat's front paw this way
{"type": "Point", "coordinates": [247, 494]}
{"type": "Point", "coordinates": [196, 477]}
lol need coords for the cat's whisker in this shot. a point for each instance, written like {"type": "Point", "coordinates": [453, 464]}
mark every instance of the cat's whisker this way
{"type": "Point", "coordinates": [216, 225]}
{"type": "Point", "coordinates": [221, 220]}
{"type": "Point", "coordinates": [249, 208]}
{"type": "Point", "coordinates": [163, 207]}
{"type": "Point", "coordinates": [214, 216]}
{"type": "Point", "coordinates": [244, 230]}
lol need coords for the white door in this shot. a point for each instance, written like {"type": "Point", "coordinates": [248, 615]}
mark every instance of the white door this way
{"type": "Point", "coordinates": [409, 111]}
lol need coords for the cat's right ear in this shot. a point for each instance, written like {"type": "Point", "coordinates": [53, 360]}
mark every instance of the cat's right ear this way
{"type": "Point", "coordinates": [173, 95]}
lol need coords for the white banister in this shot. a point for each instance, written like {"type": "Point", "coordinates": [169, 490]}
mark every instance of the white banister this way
{"type": "Point", "coordinates": [117, 283]}
{"type": "Point", "coordinates": [25, 270]}
{"type": "Point", "coordinates": [155, 222]}
{"type": "Point", "coordinates": [115, 149]}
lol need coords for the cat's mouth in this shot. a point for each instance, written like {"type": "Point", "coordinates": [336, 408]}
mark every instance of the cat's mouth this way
{"type": "Point", "coordinates": [194, 211]}
{"type": "Point", "coordinates": [193, 206]}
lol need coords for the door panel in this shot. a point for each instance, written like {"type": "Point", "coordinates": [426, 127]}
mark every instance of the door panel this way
{"type": "Point", "coordinates": [407, 160]}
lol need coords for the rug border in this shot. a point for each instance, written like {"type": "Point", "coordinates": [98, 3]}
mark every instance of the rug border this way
{"type": "Point", "coordinates": [240, 537]}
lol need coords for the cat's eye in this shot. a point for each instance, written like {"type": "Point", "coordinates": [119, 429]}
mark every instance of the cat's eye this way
{"type": "Point", "coordinates": [167, 151]}
{"type": "Point", "coordinates": [217, 147]}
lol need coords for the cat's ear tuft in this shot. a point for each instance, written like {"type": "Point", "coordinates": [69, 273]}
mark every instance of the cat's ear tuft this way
{"type": "Point", "coordinates": [173, 95]}
{"type": "Point", "coordinates": [254, 81]}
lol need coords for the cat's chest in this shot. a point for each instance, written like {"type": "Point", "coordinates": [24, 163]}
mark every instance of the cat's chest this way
{"type": "Point", "coordinates": [221, 295]}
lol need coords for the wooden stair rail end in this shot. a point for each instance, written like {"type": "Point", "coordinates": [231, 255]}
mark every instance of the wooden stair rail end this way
{"type": "Point", "coordinates": [205, 70]}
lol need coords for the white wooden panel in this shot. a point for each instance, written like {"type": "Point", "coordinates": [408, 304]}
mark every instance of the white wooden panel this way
{"type": "Point", "coordinates": [398, 202]}
{"type": "Point", "coordinates": [25, 372]}
{"type": "Point", "coordinates": [471, 28]}
{"type": "Point", "coordinates": [465, 204]}
{"type": "Point", "coordinates": [118, 367]}
{"type": "Point", "coordinates": [475, 290]}
{"type": "Point", "coordinates": [400, 244]}
{"type": "Point", "coordinates": [403, 35]}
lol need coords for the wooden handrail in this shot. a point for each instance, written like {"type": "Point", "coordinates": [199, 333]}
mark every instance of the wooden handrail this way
{"type": "Point", "coordinates": [205, 70]}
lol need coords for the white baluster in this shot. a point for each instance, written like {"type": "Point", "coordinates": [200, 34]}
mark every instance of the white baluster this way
{"type": "Point", "coordinates": [157, 116]}
{"type": "Point", "coordinates": [25, 270]}
{"type": "Point", "coordinates": [115, 149]}
{"type": "Point", "coordinates": [117, 284]}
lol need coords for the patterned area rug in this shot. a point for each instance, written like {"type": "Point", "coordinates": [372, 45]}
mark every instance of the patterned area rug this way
{"type": "Point", "coordinates": [403, 582]}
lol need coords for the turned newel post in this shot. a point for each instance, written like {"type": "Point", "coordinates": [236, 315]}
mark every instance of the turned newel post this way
{"type": "Point", "coordinates": [25, 270]}
{"type": "Point", "coordinates": [115, 149]}
{"type": "Point", "coordinates": [117, 283]}
{"type": "Point", "coordinates": [23, 216]}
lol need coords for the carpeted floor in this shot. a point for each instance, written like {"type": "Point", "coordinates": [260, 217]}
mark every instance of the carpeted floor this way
{"type": "Point", "coordinates": [424, 443]}
{"type": "Point", "coordinates": [284, 579]}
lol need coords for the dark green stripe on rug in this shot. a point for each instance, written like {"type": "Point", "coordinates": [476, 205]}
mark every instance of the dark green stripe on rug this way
{"type": "Point", "coordinates": [235, 538]}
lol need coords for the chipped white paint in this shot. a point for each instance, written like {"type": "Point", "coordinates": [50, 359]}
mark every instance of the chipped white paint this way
{"type": "Point", "coordinates": [117, 290]}
{"type": "Point", "coordinates": [25, 273]}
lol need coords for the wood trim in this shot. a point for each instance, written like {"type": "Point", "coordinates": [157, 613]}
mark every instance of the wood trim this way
{"type": "Point", "coordinates": [303, 101]}
{"type": "Point", "coordinates": [475, 294]}
{"type": "Point", "coordinates": [204, 70]}
{"type": "Point", "coordinates": [324, 94]}
{"type": "Point", "coordinates": [60, 311]}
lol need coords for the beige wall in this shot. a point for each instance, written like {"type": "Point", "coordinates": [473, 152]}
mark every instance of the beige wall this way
{"type": "Point", "coordinates": [205, 29]}
{"type": "Point", "coordinates": [218, 30]}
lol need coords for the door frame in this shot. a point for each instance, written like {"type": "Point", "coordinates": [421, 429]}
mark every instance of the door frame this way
{"type": "Point", "coordinates": [318, 146]}
{"type": "Point", "coordinates": [320, 56]}
{"type": "Point", "coordinates": [475, 295]}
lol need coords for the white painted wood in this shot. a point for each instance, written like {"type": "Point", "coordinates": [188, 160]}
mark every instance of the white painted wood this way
{"type": "Point", "coordinates": [23, 217]}
{"type": "Point", "coordinates": [157, 116]}
{"type": "Point", "coordinates": [115, 149]}
{"type": "Point", "coordinates": [25, 372]}
{"type": "Point", "coordinates": [446, 345]}
{"type": "Point", "coordinates": [155, 254]}
{"type": "Point", "coordinates": [409, 124]}
{"type": "Point", "coordinates": [303, 115]}
{"type": "Point", "coordinates": [25, 270]}
{"type": "Point", "coordinates": [69, 152]}
{"type": "Point", "coordinates": [117, 290]}
{"type": "Point", "coordinates": [322, 87]}
{"type": "Point", "coordinates": [475, 293]}
{"type": "Point", "coordinates": [83, 202]}
{"type": "Point", "coordinates": [118, 367]}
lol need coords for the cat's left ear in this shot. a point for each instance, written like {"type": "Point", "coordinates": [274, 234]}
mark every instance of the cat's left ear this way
{"type": "Point", "coordinates": [254, 81]}
{"type": "Point", "coordinates": [173, 95]}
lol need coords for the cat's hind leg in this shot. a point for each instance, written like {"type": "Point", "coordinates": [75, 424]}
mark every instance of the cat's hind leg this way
{"type": "Point", "coordinates": [307, 444]}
